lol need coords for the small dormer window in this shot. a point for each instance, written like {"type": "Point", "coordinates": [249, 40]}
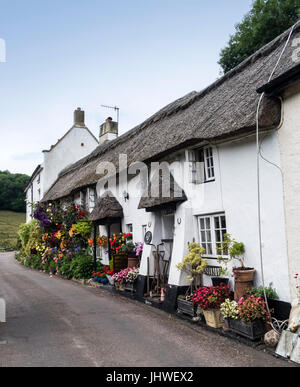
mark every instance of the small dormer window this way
{"type": "Point", "coordinates": [209, 164]}
{"type": "Point", "coordinates": [201, 165]}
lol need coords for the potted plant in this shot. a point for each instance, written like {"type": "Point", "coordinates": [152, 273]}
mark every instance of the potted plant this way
{"type": "Point", "coordinates": [222, 278]}
{"type": "Point", "coordinates": [131, 279]}
{"type": "Point", "coordinates": [120, 258]}
{"type": "Point", "coordinates": [209, 300]}
{"type": "Point", "coordinates": [193, 265]}
{"type": "Point", "coordinates": [247, 317]}
{"type": "Point", "coordinates": [243, 276]}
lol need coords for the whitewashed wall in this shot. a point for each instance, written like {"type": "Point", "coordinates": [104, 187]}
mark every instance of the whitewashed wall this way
{"type": "Point", "coordinates": [67, 152]}
{"type": "Point", "coordinates": [234, 192]}
{"type": "Point", "coordinates": [289, 140]}
{"type": "Point", "coordinates": [34, 193]}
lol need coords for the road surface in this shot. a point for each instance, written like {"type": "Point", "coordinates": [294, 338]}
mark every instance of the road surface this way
{"type": "Point", "coordinates": [57, 323]}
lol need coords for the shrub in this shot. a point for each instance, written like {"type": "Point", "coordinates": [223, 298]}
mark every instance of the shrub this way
{"type": "Point", "coordinates": [259, 292]}
{"type": "Point", "coordinates": [82, 266]}
{"type": "Point", "coordinates": [30, 235]}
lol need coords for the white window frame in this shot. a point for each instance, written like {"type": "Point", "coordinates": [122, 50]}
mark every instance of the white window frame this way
{"type": "Point", "coordinates": [129, 228]}
{"type": "Point", "coordinates": [208, 234]}
{"type": "Point", "coordinates": [209, 163]}
{"type": "Point", "coordinates": [201, 171]}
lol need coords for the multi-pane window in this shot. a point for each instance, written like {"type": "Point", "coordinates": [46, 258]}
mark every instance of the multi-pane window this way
{"type": "Point", "coordinates": [211, 234]}
{"type": "Point", "coordinates": [201, 165]}
{"type": "Point", "coordinates": [209, 164]}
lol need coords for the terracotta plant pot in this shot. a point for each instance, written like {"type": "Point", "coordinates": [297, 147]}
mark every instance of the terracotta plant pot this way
{"type": "Point", "coordinates": [243, 281]}
{"type": "Point", "coordinates": [133, 261]}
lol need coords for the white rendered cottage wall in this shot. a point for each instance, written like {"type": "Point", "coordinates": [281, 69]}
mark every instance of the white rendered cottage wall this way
{"type": "Point", "coordinates": [34, 193]}
{"type": "Point", "coordinates": [289, 139]}
{"type": "Point", "coordinates": [234, 193]}
{"type": "Point", "coordinates": [78, 143]}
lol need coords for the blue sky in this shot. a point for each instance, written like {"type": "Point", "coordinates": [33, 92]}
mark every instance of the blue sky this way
{"type": "Point", "coordinates": [137, 54]}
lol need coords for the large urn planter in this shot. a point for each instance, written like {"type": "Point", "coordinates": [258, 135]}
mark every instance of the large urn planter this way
{"type": "Point", "coordinates": [186, 307]}
{"type": "Point", "coordinates": [251, 330]}
{"type": "Point", "coordinates": [133, 260]}
{"type": "Point", "coordinates": [243, 281]}
{"type": "Point", "coordinates": [214, 318]}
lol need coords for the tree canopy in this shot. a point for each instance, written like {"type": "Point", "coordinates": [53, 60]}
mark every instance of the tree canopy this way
{"type": "Point", "coordinates": [12, 195]}
{"type": "Point", "coordinates": [266, 20]}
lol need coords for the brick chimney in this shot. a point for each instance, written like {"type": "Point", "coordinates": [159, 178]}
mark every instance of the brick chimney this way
{"type": "Point", "coordinates": [108, 131]}
{"type": "Point", "coordinates": [79, 117]}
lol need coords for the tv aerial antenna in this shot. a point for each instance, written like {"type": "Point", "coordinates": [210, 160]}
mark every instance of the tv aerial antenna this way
{"type": "Point", "coordinates": [115, 108]}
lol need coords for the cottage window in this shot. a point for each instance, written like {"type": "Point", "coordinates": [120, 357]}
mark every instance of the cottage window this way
{"type": "Point", "coordinates": [201, 165]}
{"type": "Point", "coordinates": [211, 234]}
{"type": "Point", "coordinates": [129, 228]}
{"type": "Point", "coordinates": [209, 164]}
{"type": "Point", "coordinates": [91, 197]}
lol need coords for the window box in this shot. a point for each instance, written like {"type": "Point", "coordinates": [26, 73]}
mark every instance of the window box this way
{"type": "Point", "coordinates": [187, 307]}
{"type": "Point", "coordinates": [251, 330]}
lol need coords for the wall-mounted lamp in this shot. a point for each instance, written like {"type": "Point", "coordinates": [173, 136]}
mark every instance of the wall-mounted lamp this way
{"type": "Point", "coordinates": [125, 195]}
{"type": "Point", "coordinates": [179, 221]}
{"type": "Point", "coordinates": [149, 224]}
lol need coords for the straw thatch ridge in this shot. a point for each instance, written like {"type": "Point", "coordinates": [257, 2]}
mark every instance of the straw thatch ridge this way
{"type": "Point", "coordinates": [162, 190]}
{"type": "Point", "coordinates": [106, 207]}
{"type": "Point", "coordinates": [224, 109]}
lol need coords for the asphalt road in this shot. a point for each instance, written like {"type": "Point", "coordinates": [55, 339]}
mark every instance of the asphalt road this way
{"type": "Point", "coordinates": [57, 323]}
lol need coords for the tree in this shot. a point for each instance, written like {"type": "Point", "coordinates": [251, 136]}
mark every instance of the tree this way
{"type": "Point", "coordinates": [266, 20]}
{"type": "Point", "coordinates": [12, 195]}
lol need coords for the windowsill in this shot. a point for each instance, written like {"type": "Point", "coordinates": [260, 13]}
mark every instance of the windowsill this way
{"type": "Point", "coordinates": [215, 257]}
{"type": "Point", "coordinates": [204, 182]}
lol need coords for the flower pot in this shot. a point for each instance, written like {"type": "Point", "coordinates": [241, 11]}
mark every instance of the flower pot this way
{"type": "Point", "coordinates": [133, 261]}
{"type": "Point", "coordinates": [104, 281]}
{"type": "Point", "coordinates": [186, 307]}
{"type": "Point", "coordinates": [217, 281]}
{"type": "Point", "coordinates": [129, 286]}
{"type": "Point", "coordinates": [214, 318]}
{"type": "Point", "coordinates": [243, 281]}
{"type": "Point", "coordinates": [120, 262]}
{"type": "Point", "coordinates": [252, 330]}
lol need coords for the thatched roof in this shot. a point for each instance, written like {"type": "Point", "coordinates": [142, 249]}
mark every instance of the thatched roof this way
{"type": "Point", "coordinates": [106, 208]}
{"type": "Point", "coordinates": [161, 192]}
{"type": "Point", "coordinates": [224, 109]}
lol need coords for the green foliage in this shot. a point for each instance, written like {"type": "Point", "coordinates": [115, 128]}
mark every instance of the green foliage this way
{"type": "Point", "coordinates": [193, 264]}
{"type": "Point", "coordinates": [30, 235]}
{"type": "Point", "coordinates": [82, 266]}
{"type": "Point", "coordinates": [266, 20]}
{"type": "Point", "coordinates": [83, 228]}
{"type": "Point", "coordinates": [12, 195]}
{"type": "Point", "coordinates": [236, 250]}
{"type": "Point", "coordinates": [9, 225]}
{"type": "Point", "coordinates": [259, 292]}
